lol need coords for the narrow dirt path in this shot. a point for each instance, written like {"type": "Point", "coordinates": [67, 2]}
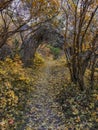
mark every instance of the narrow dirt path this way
{"type": "Point", "coordinates": [45, 113]}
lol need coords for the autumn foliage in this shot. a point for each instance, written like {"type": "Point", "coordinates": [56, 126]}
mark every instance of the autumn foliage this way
{"type": "Point", "coordinates": [15, 82]}
{"type": "Point", "coordinates": [69, 83]}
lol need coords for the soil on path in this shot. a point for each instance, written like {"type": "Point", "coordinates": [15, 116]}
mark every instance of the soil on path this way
{"type": "Point", "coordinates": [45, 113]}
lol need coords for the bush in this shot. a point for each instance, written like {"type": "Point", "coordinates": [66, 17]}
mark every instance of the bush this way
{"type": "Point", "coordinates": [55, 51]}
{"type": "Point", "coordinates": [79, 107]}
{"type": "Point", "coordinates": [14, 85]}
{"type": "Point", "coordinates": [38, 60]}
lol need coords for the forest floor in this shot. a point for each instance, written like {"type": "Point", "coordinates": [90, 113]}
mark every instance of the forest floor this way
{"type": "Point", "coordinates": [57, 104]}
{"type": "Point", "coordinates": [45, 113]}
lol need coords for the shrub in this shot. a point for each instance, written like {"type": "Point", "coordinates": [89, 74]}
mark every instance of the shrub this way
{"type": "Point", "coordinates": [14, 85]}
{"type": "Point", "coordinates": [55, 51]}
{"type": "Point", "coordinates": [38, 60]}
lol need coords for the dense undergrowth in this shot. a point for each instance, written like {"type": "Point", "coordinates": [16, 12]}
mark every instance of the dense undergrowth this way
{"type": "Point", "coordinates": [80, 108]}
{"type": "Point", "coordinates": [16, 84]}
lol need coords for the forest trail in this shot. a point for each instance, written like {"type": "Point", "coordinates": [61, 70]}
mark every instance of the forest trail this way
{"type": "Point", "coordinates": [45, 112]}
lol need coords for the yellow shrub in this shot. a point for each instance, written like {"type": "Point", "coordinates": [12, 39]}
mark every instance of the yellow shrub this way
{"type": "Point", "coordinates": [15, 83]}
{"type": "Point", "coordinates": [38, 60]}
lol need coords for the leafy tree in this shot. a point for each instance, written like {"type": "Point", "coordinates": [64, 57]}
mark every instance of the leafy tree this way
{"type": "Point", "coordinates": [17, 15]}
{"type": "Point", "coordinates": [4, 4]}
{"type": "Point", "coordinates": [81, 35]}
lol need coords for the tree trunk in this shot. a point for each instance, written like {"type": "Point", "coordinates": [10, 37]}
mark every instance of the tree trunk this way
{"type": "Point", "coordinates": [81, 81]}
{"type": "Point", "coordinates": [92, 72]}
